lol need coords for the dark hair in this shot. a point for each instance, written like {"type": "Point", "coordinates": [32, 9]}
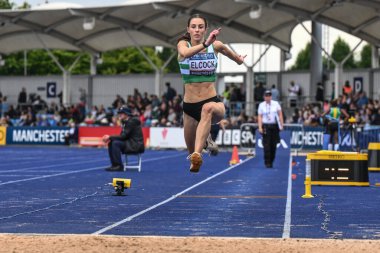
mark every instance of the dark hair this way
{"type": "Point", "coordinates": [186, 36]}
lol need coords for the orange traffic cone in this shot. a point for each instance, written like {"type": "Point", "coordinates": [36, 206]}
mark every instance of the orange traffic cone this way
{"type": "Point", "coordinates": [235, 156]}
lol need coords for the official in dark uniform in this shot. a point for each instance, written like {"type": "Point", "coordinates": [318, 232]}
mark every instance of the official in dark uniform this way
{"type": "Point", "coordinates": [270, 121]}
{"type": "Point", "coordinates": [130, 140]}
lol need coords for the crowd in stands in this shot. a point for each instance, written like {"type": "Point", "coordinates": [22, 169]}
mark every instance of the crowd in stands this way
{"type": "Point", "coordinates": [166, 111]}
{"type": "Point", "coordinates": [364, 110]}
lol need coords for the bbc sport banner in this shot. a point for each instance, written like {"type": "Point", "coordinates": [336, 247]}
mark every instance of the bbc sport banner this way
{"type": "Point", "coordinates": [37, 135]}
{"type": "Point", "coordinates": [3, 135]}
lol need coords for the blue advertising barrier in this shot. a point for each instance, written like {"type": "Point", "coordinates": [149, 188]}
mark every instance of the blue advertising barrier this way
{"type": "Point", "coordinates": [37, 135]}
{"type": "Point", "coordinates": [311, 138]}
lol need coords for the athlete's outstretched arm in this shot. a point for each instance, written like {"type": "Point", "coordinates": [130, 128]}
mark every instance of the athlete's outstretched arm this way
{"type": "Point", "coordinates": [223, 49]}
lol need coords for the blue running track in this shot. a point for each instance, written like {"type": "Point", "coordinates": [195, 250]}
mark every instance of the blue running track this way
{"type": "Point", "coordinates": [60, 190]}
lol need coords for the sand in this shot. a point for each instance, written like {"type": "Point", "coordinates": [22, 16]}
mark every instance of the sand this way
{"type": "Point", "coordinates": [109, 244]}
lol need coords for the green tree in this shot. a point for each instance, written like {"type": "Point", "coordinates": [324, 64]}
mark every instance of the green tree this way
{"type": "Point", "coordinates": [173, 66]}
{"type": "Point", "coordinates": [40, 63]}
{"type": "Point", "coordinates": [366, 57]}
{"type": "Point", "coordinates": [25, 5]}
{"type": "Point", "coordinates": [128, 60]}
{"type": "Point", "coordinates": [5, 4]}
{"type": "Point", "coordinates": [303, 59]}
{"type": "Point", "coordinates": [340, 51]}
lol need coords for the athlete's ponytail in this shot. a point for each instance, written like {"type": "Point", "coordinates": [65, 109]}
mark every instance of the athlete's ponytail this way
{"type": "Point", "coordinates": [185, 37]}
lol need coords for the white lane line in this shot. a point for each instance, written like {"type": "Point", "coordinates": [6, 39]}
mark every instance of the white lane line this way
{"type": "Point", "coordinates": [288, 209]}
{"type": "Point", "coordinates": [54, 165]}
{"type": "Point", "coordinates": [79, 171]}
{"type": "Point", "coordinates": [27, 160]}
{"type": "Point", "coordinates": [101, 231]}
{"type": "Point", "coordinates": [47, 176]}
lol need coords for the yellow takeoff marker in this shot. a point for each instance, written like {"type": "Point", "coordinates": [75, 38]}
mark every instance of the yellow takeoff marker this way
{"type": "Point", "coordinates": [120, 184]}
{"type": "Point", "coordinates": [308, 194]}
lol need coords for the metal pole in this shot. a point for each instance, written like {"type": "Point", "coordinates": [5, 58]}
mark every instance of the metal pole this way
{"type": "Point", "coordinates": [25, 63]}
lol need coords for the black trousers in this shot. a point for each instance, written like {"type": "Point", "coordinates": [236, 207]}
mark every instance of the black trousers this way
{"type": "Point", "coordinates": [115, 149]}
{"type": "Point", "coordinates": [271, 136]}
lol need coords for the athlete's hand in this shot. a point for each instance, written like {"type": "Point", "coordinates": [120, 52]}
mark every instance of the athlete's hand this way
{"type": "Point", "coordinates": [212, 37]}
{"type": "Point", "coordinates": [241, 59]}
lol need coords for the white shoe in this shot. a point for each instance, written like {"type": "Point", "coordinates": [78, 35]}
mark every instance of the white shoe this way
{"type": "Point", "coordinates": [211, 146]}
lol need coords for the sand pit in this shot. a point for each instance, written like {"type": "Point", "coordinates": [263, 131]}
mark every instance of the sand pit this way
{"type": "Point", "coordinates": [110, 244]}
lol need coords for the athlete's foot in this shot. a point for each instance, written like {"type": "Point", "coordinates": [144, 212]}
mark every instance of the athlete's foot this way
{"type": "Point", "coordinates": [196, 162]}
{"type": "Point", "coordinates": [211, 146]}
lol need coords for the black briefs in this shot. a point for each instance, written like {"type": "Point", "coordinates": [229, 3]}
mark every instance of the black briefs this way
{"type": "Point", "coordinates": [194, 110]}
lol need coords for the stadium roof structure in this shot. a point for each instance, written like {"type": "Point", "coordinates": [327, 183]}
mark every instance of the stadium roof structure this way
{"type": "Point", "coordinates": [160, 22]}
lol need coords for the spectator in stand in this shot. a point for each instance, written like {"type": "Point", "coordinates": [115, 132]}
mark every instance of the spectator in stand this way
{"type": "Point", "coordinates": [293, 94]}
{"type": "Point", "coordinates": [12, 112]}
{"type": "Point", "coordinates": [376, 117]}
{"type": "Point", "coordinates": [177, 108]}
{"type": "Point", "coordinates": [362, 99]}
{"type": "Point", "coordinates": [172, 117]}
{"type": "Point", "coordinates": [27, 118]}
{"type": "Point", "coordinates": [226, 96]}
{"type": "Point", "coordinates": [76, 114]}
{"type": "Point", "coordinates": [148, 114]}
{"type": "Point", "coordinates": [163, 110]}
{"type": "Point", "coordinates": [296, 118]}
{"type": "Point", "coordinates": [136, 94]}
{"type": "Point", "coordinates": [57, 118]}
{"type": "Point", "coordinates": [347, 89]}
{"type": "Point", "coordinates": [82, 96]}
{"type": "Point", "coordinates": [39, 104]}
{"type": "Point", "coordinates": [234, 100]}
{"type": "Point", "coordinates": [60, 97]}
{"type": "Point", "coordinates": [42, 120]}
{"type": "Point", "coordinates": [333, 91]}
{"type": "Point", "coordinates": [170, 92]}
{"type": "Point", "coordinates": [139, 104]}
{"type": "Point", "coordinates": [101, 117]}
{"type": "Point", "coordinates": [5, 121]}
{"type": "Point", "coordinates": [118, 101]}
{"type": "Point", "coordinates": [52, 108]}
{"type": "Point", "coordinates": [258, 93]}
{"type": "Point", "coordinates": [163, 122]}
{"type": "Point", "coordinates": [146, 101]}
{"type": "Point", "coordinates": [275, 93]}
{"type": "Point", "coordinates": [89, 120]}
{"type": "Point", "coordinates": [22, 98]}
{"type": "Point", "coordinates": [4, 106]}
{"type": "Point", "coordinates": [155, 101]}
{"type": "Point", "coordinates": [320, 96]}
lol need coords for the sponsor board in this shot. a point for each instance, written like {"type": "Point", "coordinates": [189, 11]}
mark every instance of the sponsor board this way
{"type": "Point", "coordinates": [3, 135]}
{"type": "Point", "coordinates": [167, 137]}
{"type": "Point", "coordinates": [37, 135]}
{"type": "Point", "coordinates": [92, 136]}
